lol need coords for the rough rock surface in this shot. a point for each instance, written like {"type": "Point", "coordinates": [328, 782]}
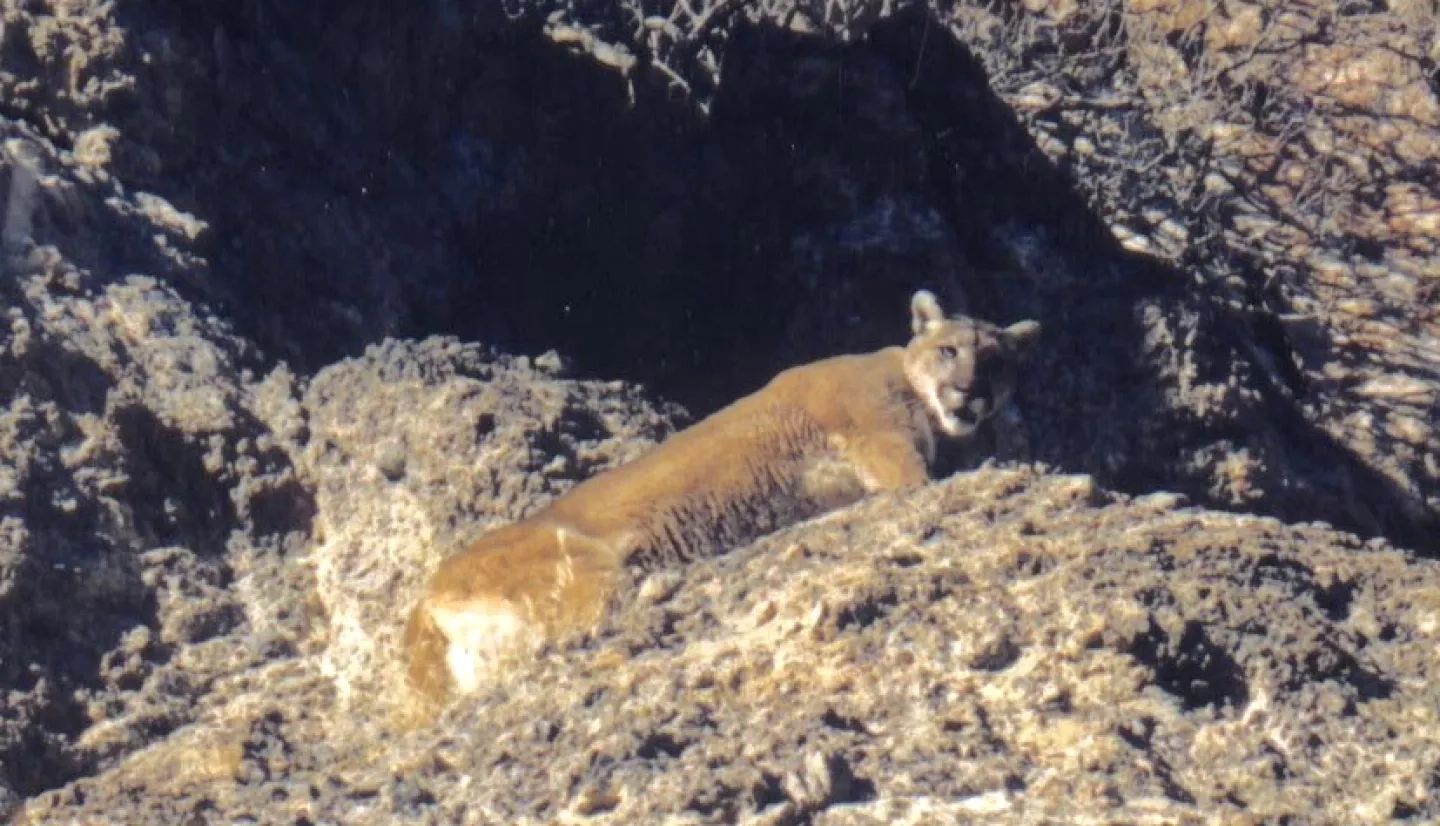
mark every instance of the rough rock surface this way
{"type": "Point", "coordinates": [223, 477]}
{"type": "Point", "coordinates": [1006, 645]}
{"type": "Point", "coordinates": [468, 442]}
{"type": "Point", "coordinates": [142, 501]}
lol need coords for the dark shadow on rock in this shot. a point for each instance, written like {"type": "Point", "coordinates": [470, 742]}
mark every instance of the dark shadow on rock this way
{"type": "Point", "coordinates": [79, 596]}
{"type": "Point", "coordinates": [276, 510]}
{"type": "Point", "coordinates": [372, 172]}
{"type": "Point", "coordinates": [270, 502]}
{"type": "Point", "coordinates": [1096, 401]}
{"type": "Point", "coordinates": [472, 178]}
{"type": "Point", "coordinates": [1194, 669]}
{"type": "Point", "coordinates": [176, 499]}
{"type": "Point", "coordinates": [51, 498]}
{"type": "Point", "coordinates": [65, 608]}
{"type": "Point", "coordinates": [48, 370]}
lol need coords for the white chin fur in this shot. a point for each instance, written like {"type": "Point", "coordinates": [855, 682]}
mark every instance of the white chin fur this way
{"type": "Point", "coordinates": [947, 421]}
{"type": "Point", "coordinates": [953, 427]}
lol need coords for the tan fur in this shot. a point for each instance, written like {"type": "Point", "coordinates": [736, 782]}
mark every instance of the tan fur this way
{"type": "Point", "coordinates": [817, 437]}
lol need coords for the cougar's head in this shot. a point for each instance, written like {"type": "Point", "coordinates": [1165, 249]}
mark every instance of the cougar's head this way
{"type": "Point", "coordinates": [963, 368]}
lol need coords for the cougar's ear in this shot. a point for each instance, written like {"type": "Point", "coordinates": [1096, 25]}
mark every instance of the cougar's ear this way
{"type": "Point", "coordinates": [925, 312]}
{"type": "Point", "coordinates": [1021, 335]}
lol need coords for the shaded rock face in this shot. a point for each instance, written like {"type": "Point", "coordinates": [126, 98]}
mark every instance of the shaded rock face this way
{"type": "Point", "coordinates": [205, 552]}
{"type": "Point", "coordinates": [357, 175]}
{"type": "Point", "coordinates": [140, 485]}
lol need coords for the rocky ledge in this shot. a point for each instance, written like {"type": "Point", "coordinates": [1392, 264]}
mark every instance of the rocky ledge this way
{"type": "Point", "coordinates": [298, 298]}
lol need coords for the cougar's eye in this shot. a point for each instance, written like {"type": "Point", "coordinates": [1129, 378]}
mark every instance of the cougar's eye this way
{"type": "Point", "coordinates": [949, 353]}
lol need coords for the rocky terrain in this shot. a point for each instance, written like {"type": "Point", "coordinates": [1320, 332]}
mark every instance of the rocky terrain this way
{"type": "Point", "coordinates": [300, 297]}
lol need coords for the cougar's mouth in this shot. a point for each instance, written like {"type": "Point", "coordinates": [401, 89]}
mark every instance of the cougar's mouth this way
{"type": "Point", "coordinates": [962, 414]}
